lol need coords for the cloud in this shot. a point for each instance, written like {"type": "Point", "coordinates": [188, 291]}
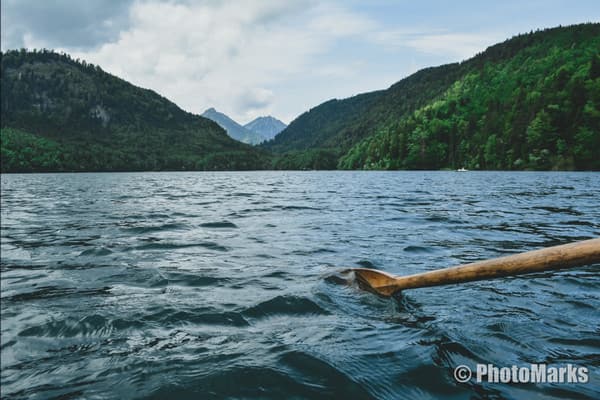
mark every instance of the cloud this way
{"type": "Point", "coordinates": [339, 22]}
{"type": "Point", "coordinates": [64, 23]}
{"type": "Point", "coordinates": [254, 99]}
{"type": "Point", "coordinates": [462, 46]}
{"type": "Point", "coordinates": [223, 54]}
{"type": "Point", "coordinates": [457, 46]}
{"type": "Point", "coordinates": [245, 58]}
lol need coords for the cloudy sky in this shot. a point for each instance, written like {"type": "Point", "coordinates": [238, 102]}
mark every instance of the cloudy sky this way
{"type": "Point", "coordinates": [252, 58]}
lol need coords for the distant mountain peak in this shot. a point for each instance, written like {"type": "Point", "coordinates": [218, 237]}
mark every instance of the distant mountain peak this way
{"type": "Point", "coordinates": [234, 130]}
{"type": "Point", "coordinates": [267, 126]}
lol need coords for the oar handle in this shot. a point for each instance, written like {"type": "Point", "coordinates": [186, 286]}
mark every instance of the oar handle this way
{"type": "Point", "coordinates": [551, 258]}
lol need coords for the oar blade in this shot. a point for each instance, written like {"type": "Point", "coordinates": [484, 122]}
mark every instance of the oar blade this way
{"type": "Point", "coordinates": [375, 281]}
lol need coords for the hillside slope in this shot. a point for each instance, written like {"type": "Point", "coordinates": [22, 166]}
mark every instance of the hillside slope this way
{"type": "Point", "coordinates": [530, 102]}
{"type": "Point", "coordinates": [319, 126]}
{"type": "Point", "coordinates": [313, 140]}
{"type": "Point", "coordinates": [94, 121]}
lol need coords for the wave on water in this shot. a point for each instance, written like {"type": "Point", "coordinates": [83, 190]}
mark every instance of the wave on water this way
{"type": "Point", "coordinates": [228, 285]}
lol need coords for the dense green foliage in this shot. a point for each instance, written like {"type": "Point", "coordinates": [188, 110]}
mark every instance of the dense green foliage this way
{"type": "Point", "coordinates": [318, 158]}
{"type": "Point", "coordinates": [26, 152]}
{"type": "Point", "coordinates": [537, 109]}
{"type": "Point", "coordinates": [532, 102]}
{"type": "Point", "coordinates": [320, 126]}
{"type": "Point", "coordinates": [60, 114]}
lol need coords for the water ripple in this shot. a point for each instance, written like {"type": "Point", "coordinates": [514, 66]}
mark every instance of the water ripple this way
{"type": "Point", "coordinates": [217, 285]}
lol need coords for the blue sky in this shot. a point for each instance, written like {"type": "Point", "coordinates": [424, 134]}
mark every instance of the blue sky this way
{"type": "Point", "coordinates": [260, 57]}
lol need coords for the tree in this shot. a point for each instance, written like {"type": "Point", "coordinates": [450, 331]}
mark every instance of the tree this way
{"type": "Point", "coordinates": [490, 152]}
{"type": "Point", "coordinates": [595, 67]}
{"type": "Point", "coordinates": [539, 131]}
{"type": "Point", "coordinates": [587, 143]}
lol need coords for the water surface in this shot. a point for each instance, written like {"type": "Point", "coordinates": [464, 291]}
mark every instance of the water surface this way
{"type": "Point", "coordinates": [213, 285]}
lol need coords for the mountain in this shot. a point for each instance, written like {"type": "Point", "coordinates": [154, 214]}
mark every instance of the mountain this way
{"type": "Point", "coordinates": [531, 102]}
{"type": "Point", "coordinates": [234, 130]}
{"type": "Point", "coordinates": [60, 114]}
{"type": "Point", "coordinates": [267, 127]}
{"type": "Point", "coordinates": [320, 126]}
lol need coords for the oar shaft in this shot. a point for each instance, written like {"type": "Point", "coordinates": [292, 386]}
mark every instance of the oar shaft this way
{"type": "Point", "coordinates": [557, 257]}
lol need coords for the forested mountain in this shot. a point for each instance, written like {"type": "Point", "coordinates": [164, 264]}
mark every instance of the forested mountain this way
{"type": "Point", "coordinates": [60, 114]}
{"type": "Point", "coordinates": [531, 102]}
{"type": "Point", "coordinates": [319, 127]}
{"type": "Point", "coordinates": [233, 129]}
{"type": "Point", "coordinates": [267, 127]}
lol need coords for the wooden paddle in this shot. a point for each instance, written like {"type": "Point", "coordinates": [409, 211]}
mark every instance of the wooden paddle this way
{"type": "Point", "coordinates": [551, 258]}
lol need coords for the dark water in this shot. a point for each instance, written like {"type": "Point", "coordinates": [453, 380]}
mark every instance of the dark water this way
{"type": "Point", "coordinates": [212, 285]}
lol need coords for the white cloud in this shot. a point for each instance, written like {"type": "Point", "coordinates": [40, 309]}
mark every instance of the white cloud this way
{"type": "Point", "coordinates": [457, 46]}
{"type": "Point", "coordinates": [338, 21]}
{"type": "Point", "coordinates": [223, 54]}
{"type": "Point", "coordinates": [259, 57]}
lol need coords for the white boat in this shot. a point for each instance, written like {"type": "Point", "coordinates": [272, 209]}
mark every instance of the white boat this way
{"type": "Point", "coordinates": [463, 169]}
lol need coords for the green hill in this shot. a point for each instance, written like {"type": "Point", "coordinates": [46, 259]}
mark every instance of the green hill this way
{"type": "Point", "coordinates": [60, 114]}
{"type": "Point", "coordinates": [320, 126]}
{"type": "Point", "coordinates": [310, 141]}
{"type": "Point", "coordinates": [531, 102]}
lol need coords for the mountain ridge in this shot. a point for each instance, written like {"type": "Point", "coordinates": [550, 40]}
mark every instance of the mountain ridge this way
{"type": "Point", "coordinates": [60, 114]}
{"type": "Point", "coordinates": [233, 128]}
{"type": "Point", "coordinates": [391, 129]}
{"type": "Point", "coordinates": [266, 126]}
{"type": "Point", "coordinates": [530, 102]}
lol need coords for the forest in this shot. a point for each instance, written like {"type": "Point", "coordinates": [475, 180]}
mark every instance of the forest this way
{"type": "Point", "coordinates": [60, 114]}
{"type": "Point", "coordinates": [529, 103]}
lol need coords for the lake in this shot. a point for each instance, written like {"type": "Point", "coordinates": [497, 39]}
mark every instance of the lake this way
{"type": "Point", "coordinates": [214, 285]}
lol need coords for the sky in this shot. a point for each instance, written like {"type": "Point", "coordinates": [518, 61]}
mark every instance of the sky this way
{"type": "Point", "coordinates": [273, 57]}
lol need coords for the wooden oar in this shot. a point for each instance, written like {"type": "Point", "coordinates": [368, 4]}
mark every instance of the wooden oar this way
{"type": "Point", "coordinates": [551, 258]}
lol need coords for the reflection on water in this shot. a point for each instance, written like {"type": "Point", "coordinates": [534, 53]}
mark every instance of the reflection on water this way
{"type": "Point", "coordinates": [212, 285]}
